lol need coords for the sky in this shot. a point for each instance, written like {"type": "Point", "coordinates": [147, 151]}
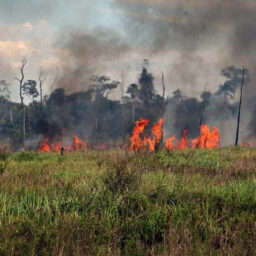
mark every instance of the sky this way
{"type": "Point", "coordinates": [190, 41]}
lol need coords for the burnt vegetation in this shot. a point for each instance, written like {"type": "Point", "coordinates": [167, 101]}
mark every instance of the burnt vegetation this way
{"type": "Point", "coordinates": [92, 112]}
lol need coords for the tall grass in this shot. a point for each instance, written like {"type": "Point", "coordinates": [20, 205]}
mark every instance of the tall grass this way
{"type": "Point", "coordinates": [117, 203]}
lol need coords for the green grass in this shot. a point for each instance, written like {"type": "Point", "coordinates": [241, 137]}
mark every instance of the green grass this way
{"type": "Point", "coordinates": [192, 202]}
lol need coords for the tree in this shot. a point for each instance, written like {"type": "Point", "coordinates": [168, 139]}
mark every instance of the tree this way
{"type": "Point", "coordinates": [147, 89]}
{"type": "Point", "coordinates": [42, 79]}
{"type": "Point", "coordinates": [29, 88]}
{"type": "Point", "coordinates": [133, 91]}
{"type": "Point", "coordinates": [4, 99]}
{"type": "Point", "coordinates": [234, 76]}
{"type": "Point", "coordinates": [101, 87]}
{"type": "Point", "coordinates": [239, 108]}
{"type": "Point", "coordinates": [20, 80]}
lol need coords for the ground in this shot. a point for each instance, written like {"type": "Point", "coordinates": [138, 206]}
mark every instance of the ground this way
{"type": "Point", "coordinates": [191, 202]}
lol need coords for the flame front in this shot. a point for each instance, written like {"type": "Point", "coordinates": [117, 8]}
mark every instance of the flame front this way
{"type": "Point", "coordinates": [157, 132]}
{"type": "Point", "coordinates": [77, 145]}
{"type": "Point", "coordinates": [136, 142]}
{"type": "Point", "coordinates": [44, 147]}
{"type": "Point", "coordinates": [169, 143]}
{"type": "Point", "coordinates": [183, 143]}
{"type": "Point", "coordinates": [207, 138]}
{"type": "Point", "coordinates": [140, 142]}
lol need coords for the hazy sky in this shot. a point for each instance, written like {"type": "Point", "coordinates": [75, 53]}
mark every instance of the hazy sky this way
{"type": "Point", "coordinates": [189, 40]}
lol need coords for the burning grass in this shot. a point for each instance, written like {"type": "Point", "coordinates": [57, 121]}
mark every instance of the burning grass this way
{"type": "Point", "coordinates": [143, 142]}
{"type": "Point", "coordinates": [186, 202]}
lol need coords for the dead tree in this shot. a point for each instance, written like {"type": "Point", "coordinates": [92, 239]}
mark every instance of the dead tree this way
{"type": "Point", "coordinates": [20, 80]}
{"type": "Point", "coordinates": [202, 112]}
{"type": "Point", "coordinates": [163, 109]}
{"type": "Point", "coordinates": [122, 107]}
{"type": "Point", "coordinates": [163, 96]}
{"type": "Point", "coordinates": [42, 79]}
{"type": "Point", "coordinates": [239, 108]}
{"type": "Point", "coordinates": [4, 99]}
{"type": "Point", "coordinates": [55, 79]}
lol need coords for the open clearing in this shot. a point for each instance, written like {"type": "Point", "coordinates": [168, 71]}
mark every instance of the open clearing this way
{"type": "Point", "coordinates": [191, 202]}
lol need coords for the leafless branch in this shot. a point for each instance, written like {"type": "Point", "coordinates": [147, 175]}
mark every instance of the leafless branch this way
{"type": "Point", "coordinates": [42, 79]}
{"type": "Point", "coordinates": [55, 79]}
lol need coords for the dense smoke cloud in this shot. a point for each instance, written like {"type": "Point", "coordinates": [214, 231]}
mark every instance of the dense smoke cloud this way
{"type": "Point", "coordinates": [88, 54]}
{"type": "Point", "coordinates": [199, 30]}
{"type": "Point", "coordinates": [193, 40]}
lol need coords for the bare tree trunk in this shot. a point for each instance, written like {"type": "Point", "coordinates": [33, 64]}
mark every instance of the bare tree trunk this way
{"type": "Point", "coordinates": [122, 107]}
{"type": "Point", "coordinates": [163, 108]}
{"type": "Point", "coordinates": [163, 102]}
{"type": "Point", "coordinates": [202, 114]}
{"type": "Point", "coordinates": [41, 82]}
{"type": "Point", "coordinates": [23, 124]}
{"type": "Point", "coordinates": [239, 109]}
{"type": "Point", "coordinates": [3, 105]}
{"type": "Point", "coordinates": [55, 79]}
{"type": "Point", "coordinates": [20, 80]}
{"type": "Point", "coordinates": [29, 118]}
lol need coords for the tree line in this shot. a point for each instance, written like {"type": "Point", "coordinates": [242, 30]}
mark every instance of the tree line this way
{"type": "Point", "coordinates": [93, 114]}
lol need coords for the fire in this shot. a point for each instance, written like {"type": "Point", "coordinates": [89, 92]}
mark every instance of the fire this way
{"type": "Point", "coordinates": [136, 142]}
{"type": "Point", "coordinates": [44, 147]}
{"type": "Point", "coordinates": [207, 138]}
{"type": "Point", "coordinates": [169, 143]}
{"type": "Point", "coordinates": [148, 142]}
{"type": "Point", "coordinates": [140, 142]}
{"type": "Point", "coordinates": [213, 139]}
{"type": "Point", "coordinates": [56, 147]}
{"type": "Point", "coordinates": [182, 144]}
{"type": "Point", "coordinates": [77, 145]}
{"type": "Point", "coordinates": [157, 132]}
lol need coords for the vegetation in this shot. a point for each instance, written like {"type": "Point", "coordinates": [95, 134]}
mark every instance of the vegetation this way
{"type": "Point", "coordinates": [191, 202]}
{"type": "Point", "coordinates": [92, 113]}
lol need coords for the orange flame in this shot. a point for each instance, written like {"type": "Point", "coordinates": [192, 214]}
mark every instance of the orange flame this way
{"type": "Point", "coordinates": [146, 142]}
{"type": "Point", "coordinates": [157, 132]}
{"type": "Point", "coordinates": [44, 147]}
{"type": "Point", "coordinates": [169, 143]}
{"type": "Point", "coordinates": [78, 144]}
{"type": "Point", "coordinates": [56, 147]}
{"type": "Point", "coordinates": [136, 142]}
{"type": "Point", "coordinates": [207, 138]}
{"type": "Point", "coordinates": [182, 144]}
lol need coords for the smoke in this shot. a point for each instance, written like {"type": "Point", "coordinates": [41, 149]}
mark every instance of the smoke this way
{"type": "Point", "coordinates": [85, 54]}
{"type": "Point", "coordinates": [190, 41]}
{"type": "Point", "coordinates": [218, 109]}
{"type": "Point", "coordinates": [209, 36]}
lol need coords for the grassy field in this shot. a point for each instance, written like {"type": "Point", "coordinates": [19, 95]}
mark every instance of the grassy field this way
{"type": "Point", "coordinates": [192, 202]}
